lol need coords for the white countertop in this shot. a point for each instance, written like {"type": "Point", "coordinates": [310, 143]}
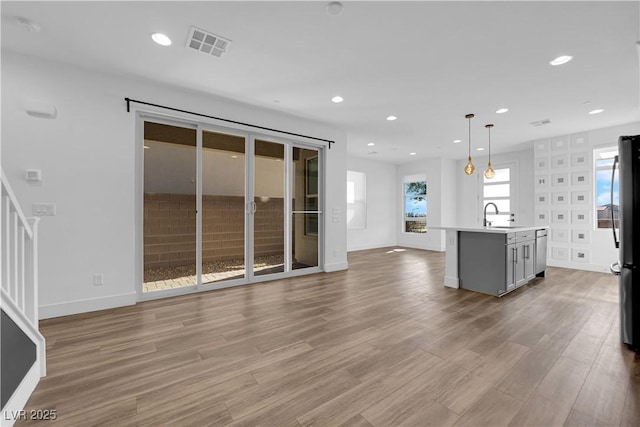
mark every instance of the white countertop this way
{"type": "Point", "coordinates": [479, 229]}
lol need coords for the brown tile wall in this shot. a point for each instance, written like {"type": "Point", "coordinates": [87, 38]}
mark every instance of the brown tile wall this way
{"type": "Point", "coordinates": [170, 228]}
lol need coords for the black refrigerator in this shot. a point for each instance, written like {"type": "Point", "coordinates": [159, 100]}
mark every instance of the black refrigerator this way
{"type": "Point", "coordinates": [628, 239]}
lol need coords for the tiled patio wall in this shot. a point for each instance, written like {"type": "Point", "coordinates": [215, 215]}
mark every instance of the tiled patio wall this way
{"type": "Point", "coordinates": [170, 228]}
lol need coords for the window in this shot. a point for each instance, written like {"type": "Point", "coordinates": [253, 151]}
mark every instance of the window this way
{"type": "Point", "coordinates": [497, 190]}
{"type": "Point", "coordinates": [356, 200]}
{"type": "Point", "coordinates": [604, 204]}
{"type": "Point", "coordinates": [415, 207]}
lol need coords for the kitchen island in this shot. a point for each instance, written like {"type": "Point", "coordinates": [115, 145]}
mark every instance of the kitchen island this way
{"type": "Point", "coordinates": [494, 260]}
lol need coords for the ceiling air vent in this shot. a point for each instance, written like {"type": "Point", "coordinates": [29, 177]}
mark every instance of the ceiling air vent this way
{"type": "Point", "coordinates": [541, 122]}
{"type": "Point", "coordinates": [208, 43]}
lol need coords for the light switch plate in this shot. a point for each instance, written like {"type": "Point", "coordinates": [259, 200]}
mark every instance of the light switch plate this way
{"type": "Point", "coordinates": [33, 175]}
{"type": "Point", "coordinates": [44, 209]}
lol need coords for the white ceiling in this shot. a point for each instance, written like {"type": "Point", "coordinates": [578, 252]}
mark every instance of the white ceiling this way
{"type": "Point", "coordinates": [429, 63]}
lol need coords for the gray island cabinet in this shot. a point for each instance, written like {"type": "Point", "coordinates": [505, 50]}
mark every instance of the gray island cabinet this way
{"type": "Point", "coordinates": [494, 260]}
{"type": "Point", "coordinates": [496, 263]}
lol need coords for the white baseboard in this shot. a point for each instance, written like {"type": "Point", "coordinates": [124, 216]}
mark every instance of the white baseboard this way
{"type": "Point", "coordinates": [87, 305]}
{"type": "Point", "coordinates": [579, 266]}
{"type": "Point", "coordinates": [451, 282]}
{"type": "Point", "coordinates": [336, 266]}
{"type": "Point", "coordinates": [12, 411]}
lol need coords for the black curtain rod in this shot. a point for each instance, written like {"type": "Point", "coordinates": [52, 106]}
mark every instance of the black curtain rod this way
{"type": "Point", "coordinates": [129, 101]}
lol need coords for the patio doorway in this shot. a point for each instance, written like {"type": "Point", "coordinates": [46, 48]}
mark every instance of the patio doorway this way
{"type": "Point", "coordinates": [223, 207]}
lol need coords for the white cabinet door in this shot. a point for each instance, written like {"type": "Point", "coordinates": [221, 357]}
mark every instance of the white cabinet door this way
{"type": "Point", "coordinates": [511, 267]}
{"type": "Point", "coordinates": [528, 255]}
{"type": "Point", "coordinates": [519, 264]}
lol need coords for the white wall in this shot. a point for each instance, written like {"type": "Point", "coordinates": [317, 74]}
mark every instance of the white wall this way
{"type": "Point", "coordinates": [449, 184]}
{"type": "Point", "coordinates": [468, 188]}
{"type": "Point", "coordinates": [87, 157]}
{"type": "Point", "coordinates": [382, 216]}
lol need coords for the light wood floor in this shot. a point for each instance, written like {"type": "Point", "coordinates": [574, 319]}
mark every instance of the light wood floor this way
{"type": "Point", "coordinates": [382, 344]}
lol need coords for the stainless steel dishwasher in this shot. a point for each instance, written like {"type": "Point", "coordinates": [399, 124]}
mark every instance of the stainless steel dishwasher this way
{"type": "Point", "coordinates": [541, 252]}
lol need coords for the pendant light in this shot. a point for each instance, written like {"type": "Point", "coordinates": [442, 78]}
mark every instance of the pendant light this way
{"type": "Point", "coordinates": [469, 168]}
{"type": "Point", "coordinates": [489, 173]}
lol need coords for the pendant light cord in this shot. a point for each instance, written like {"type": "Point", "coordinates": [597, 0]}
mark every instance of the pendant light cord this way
{"type": "Point", "coordinates": [469, 117]}
{"type": "Point", "coordinates": [489, 144]}
{"type": "Point", "coordinates": [469, 136]}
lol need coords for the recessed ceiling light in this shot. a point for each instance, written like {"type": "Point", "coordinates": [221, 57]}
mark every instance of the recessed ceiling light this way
{"type": "Point", "coordinates": [337, 99]}
{"type": "Point", "coordinates": [597, 111]}
{"type": "Point", "coordinates": [392, 118]}
{"type": "Point", "coordinates": [161, 39]}
{"type": "Point", "coordinates": [561, 60]}
{"type": "Point", "coordinates": [371, 144]}
{"type": "Point", "coordinates": [502, 110]}
{"type": "Point", "coordinates": [480, 149]}
{"type": "Point", "coordinates": [412, 154]}
{"type": "Point", "coordinates": [457, 141]}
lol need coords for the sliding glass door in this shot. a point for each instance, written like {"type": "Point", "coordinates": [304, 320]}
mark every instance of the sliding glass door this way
{"type": "Point", "coordinates": [169, 205]}
{"type": "Point", "coordinates": [268, 208]}
{"type": "Point", "coordinates": [223, 208]}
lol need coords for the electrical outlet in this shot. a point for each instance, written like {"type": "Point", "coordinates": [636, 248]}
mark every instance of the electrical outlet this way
{"type": "Point", "coordinates": [335, 254]}
{"type": "Point", "coordinates": [44, 209]}
{"type": "Point", "coordinates": [98, 279]}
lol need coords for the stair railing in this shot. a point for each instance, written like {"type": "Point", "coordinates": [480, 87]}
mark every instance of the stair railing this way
{"type": "Point", "coordinates": [19, 265]}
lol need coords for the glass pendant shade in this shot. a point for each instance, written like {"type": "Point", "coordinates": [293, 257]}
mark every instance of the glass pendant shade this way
{"type": "Point", "coordinates": [469, 169]}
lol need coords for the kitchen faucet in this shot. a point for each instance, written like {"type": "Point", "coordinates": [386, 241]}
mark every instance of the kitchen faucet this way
{"type": "Point", "coordinates": [484, 219]}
